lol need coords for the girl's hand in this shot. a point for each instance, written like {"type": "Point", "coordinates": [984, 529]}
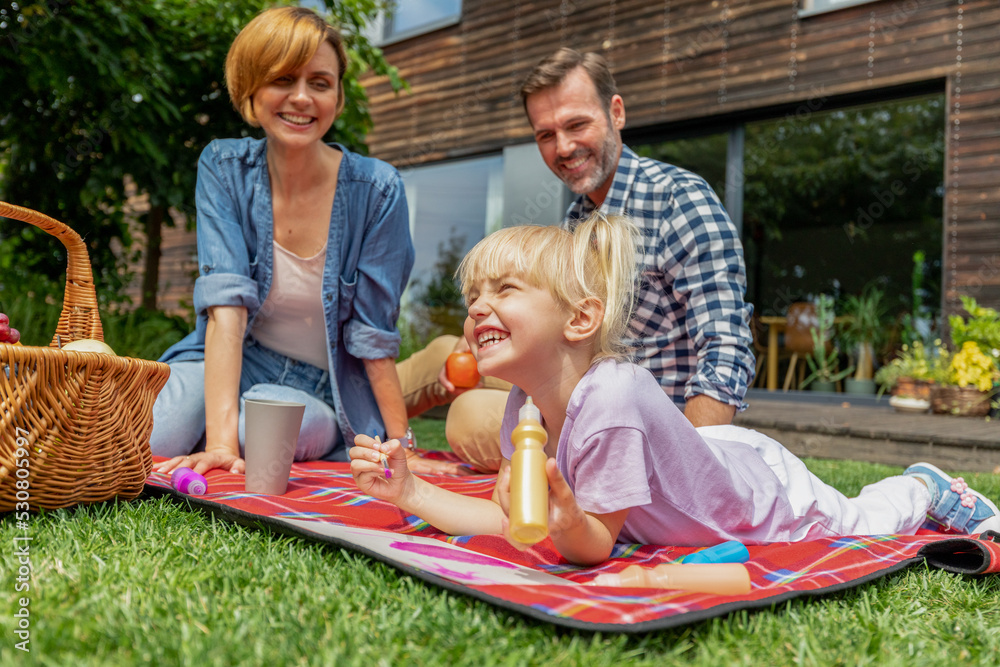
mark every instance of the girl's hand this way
{"type": "Point", "coordinates": [374, 478]}
{"type": "Point", "coordinates": [202, 462]}
{"type": "Point", "coordinates": [565, 514]}
{"type": "Point", "coordinates": [581, 537]}
{"type": "Point", "coordinates": [503, 499]}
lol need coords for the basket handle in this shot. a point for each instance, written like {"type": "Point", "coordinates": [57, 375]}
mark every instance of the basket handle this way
{"type": "Point", "coordinates": [80, 317]}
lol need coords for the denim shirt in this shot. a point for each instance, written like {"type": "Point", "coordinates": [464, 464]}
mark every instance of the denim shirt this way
{"type": "Point", "coordinates": [368, 260]}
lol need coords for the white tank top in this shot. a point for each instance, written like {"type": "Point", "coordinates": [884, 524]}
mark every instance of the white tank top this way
{"type": "Point", "coordinates": [291, 319]}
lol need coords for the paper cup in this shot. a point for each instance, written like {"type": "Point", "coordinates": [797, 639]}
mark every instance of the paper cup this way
{"type": "Point", "coordinates": [271, 434]}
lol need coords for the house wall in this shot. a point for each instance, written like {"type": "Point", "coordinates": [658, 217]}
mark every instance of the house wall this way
{"type": "Point", "coordinates": [685, 65]}
{"type": "Point", "coordinates": [690, 65]}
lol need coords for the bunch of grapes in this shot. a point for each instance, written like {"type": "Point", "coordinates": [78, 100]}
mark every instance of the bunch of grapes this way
{"type": "Point", "coordinates": [7, 334]}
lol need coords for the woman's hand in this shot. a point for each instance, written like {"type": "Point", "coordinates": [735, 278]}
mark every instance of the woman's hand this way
{"type": "Point", "coordinates": [202, 462]}
{"type": "Point", "coordinates": [418, 464]}
{"type": "Point", "coordinates": [388, 482]}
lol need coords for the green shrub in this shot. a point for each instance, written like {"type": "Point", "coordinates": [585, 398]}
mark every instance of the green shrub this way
{"type": "Point", "coordinates": [139, 333]}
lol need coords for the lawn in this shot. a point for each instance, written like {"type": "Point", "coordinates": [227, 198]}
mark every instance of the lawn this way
{"type": "Point", "coordinates": [149, 582]}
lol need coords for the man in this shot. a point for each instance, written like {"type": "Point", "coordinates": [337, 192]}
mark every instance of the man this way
{"type": "Point", "coordinates": [691, 324]}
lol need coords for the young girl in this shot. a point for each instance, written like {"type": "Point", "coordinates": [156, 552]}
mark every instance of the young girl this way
{"type": "Point", "coordinates": [547, 312]}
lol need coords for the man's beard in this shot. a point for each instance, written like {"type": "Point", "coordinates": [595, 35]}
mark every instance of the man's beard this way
{"type": "Point", "coordinates": [607, 162]}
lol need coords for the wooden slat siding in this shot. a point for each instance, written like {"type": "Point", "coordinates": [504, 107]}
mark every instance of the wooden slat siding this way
{"type": "Point", "coordinates": [971, 257]}
{"type": "Point", "coordinates": [178, 265]}
{"type": "Point", "coordinates": [710, 72]}
{"type": "Point", "coordinates": [832, 52]}
{"type": "Point", "coordinates": [465, 78]}
{"type": "Point", "coordinates": [178, 269]}
{"type": "Point", "coordinates": [462, 108]}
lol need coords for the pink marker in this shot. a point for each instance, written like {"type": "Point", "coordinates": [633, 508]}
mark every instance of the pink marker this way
{"type": "Point", "coordinates": [188, 481]}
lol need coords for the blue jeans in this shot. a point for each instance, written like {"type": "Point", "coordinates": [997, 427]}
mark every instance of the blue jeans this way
{"type": "Point", "coordinates": [179, 411]}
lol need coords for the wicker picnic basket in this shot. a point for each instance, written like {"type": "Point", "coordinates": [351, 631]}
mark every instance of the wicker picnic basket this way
{"type": "Point", "coordinates": [74, 426]}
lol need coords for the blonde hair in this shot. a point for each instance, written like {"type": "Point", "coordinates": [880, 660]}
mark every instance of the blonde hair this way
{"type": "Point", "coordinates": [596, 260]}
{"type": "Point", "coordinates": [278, 41]}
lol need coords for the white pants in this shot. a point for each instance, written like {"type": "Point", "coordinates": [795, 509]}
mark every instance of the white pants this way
{"type": "Point", "coordinates": [895, 505]}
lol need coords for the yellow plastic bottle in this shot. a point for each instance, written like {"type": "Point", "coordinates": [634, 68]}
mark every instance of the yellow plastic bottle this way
{"type": "Point", "coordinates": [529, 487]}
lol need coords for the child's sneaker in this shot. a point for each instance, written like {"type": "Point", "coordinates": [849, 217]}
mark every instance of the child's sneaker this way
{"type": "Point", "coordinates": [954, 505]}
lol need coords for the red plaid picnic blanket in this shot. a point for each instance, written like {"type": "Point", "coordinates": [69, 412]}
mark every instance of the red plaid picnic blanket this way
{"type": "Point", "coordinates": [323, 503]}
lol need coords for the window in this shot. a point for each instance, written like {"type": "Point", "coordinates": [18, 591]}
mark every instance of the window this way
{"type": "Point", "coordinates": [811, 7]}
{"type": "Point", "coordinates": [705, 156]}
{"type": "Point", "coordinates": [831, 200]}
{"type": "Point", "coordinates": [409, 18]}
{"type": "Point", "coordinates": [836, 199]}
{"type": "Point", "coordinates": [452, 205]}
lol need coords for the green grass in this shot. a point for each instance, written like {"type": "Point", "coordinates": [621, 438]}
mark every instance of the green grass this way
{"type": "Point", "coordinates": [149, 582]}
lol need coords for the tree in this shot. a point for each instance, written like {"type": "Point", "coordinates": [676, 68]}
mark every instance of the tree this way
{"type": "Point", "coordinates": [103, 92]}
{"type": "Point", "coordinates": [437, 305]}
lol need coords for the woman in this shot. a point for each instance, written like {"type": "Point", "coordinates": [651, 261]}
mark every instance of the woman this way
{"type": "Point", "coordinates": [304, 250]}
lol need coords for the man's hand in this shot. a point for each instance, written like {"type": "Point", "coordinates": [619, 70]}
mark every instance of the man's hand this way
{"type": "Point", "coordinates": [461, 346]}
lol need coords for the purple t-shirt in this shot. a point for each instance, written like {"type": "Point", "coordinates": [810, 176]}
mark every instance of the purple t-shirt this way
{"type": "Point", "coordinates": [625, 444]}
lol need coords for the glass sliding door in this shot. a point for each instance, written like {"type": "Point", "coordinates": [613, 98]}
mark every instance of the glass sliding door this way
{"type": "Point", "coordinates": [839, 199]}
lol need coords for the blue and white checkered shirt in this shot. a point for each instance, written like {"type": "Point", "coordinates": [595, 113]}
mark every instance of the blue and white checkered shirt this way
{"type": "Point", "coordinates": [691, 323]}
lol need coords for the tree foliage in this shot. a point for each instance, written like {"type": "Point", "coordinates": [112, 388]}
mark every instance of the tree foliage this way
{"type": "Point", "coordinates": [99, 93]}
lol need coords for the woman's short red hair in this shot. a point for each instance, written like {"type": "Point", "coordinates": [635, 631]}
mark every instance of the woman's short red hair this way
{"type": "Point", "coordinates": [275, 42]}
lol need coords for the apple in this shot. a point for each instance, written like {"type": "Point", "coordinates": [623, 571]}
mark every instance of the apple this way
{"type": "Point", "coordinates": [89, 345]}
{"type": "Point", "coordinates": [461, 369]}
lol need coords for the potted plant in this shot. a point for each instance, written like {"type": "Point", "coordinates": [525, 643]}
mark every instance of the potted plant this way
{"type": "Point", "coordinates": [863, 331]}
{"type": "Point", "coordinates": [982, 326]}
{"type": "Point", "coordinates": [973, 373]}
{"type": "Point", "coordinates": [823, 375]}
{"type": "Point", "coordinates": [912, 373]}
{"type": "Point", "coordinates": [969, 383]}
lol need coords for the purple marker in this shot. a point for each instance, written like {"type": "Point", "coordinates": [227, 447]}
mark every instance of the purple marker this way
{"type": "Point", "coordinates": [188, 481]}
